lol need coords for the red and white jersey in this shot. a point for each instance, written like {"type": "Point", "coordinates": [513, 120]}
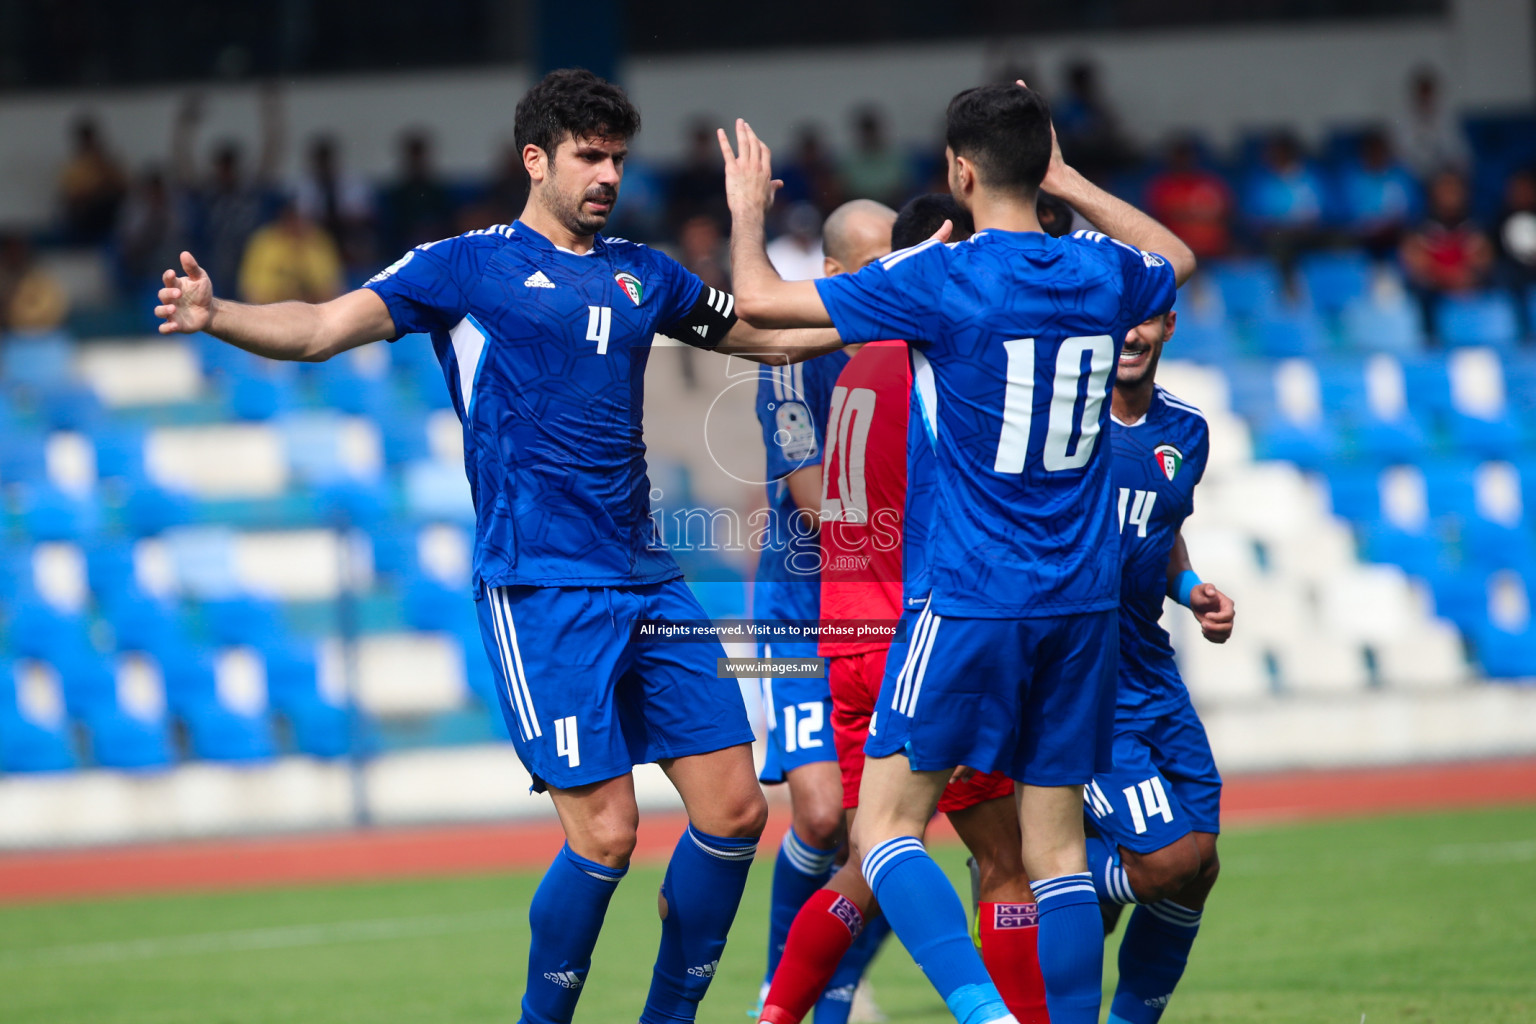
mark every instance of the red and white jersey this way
{"type": "Point", "coordinates": [863, 492]}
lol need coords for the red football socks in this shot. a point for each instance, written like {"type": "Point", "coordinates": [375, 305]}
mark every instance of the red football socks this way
{"type": "Point", "coordinates": [1009, 948]}
{"type": "Point", "coordinates": [823, 930]}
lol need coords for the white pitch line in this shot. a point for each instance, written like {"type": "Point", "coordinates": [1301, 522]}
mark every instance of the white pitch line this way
{"type": "Point", "coordinates": [1509, 852]}
{"type": "Point", "coordinates": [283, 937]}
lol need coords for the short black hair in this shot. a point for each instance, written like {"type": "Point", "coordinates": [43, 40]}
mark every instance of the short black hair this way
{"type": "Point", "coordinates": [575, 102]}
{"type": "Point", "coordinates": [921, 217]}
{"type": "Point", "coordinates": [1005, 131]}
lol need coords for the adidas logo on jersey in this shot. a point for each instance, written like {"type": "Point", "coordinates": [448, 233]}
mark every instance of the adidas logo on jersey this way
{"type": "Point", "coordinates": [565, 979]}
{"type": "Point", "coordinates": [706, 971]}
{"type": "Point", "coordinates": [538, 280]}
{"type": "Point", "coordinates": [701, 330]}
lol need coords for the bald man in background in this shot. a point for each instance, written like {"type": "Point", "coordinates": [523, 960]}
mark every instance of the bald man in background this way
{"type": "Point", "coordinates": [792, 406]}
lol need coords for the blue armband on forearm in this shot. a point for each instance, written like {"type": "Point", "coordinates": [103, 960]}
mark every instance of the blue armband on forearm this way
{"type": "Point", "coordinates": [1184, 585]}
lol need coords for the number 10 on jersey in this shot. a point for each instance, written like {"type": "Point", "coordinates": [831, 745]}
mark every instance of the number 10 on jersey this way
{"type": "Point", "coordinates": [1072, 431]}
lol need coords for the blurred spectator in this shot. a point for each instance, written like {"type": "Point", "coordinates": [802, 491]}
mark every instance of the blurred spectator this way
{"type": "Point", "coordinates": [875, 169]}
{"type": "Point", "coordinates": [228, 207]}
{"type": "Point", "coordinates": [797, 254]}
{"type": "Point", "coordinates": [1055, 216]}
{"type": "Point", "coordinates": [1447, 253]}
{"type": "Point", "coordinates": [91, 186]}
{"type": "Point", "coordinates": [417, 208]}
{"type": "Point", "coordinates": [1086, 125]}
{"type": "Point", "coordinates": [340, 203]}
{"type": "Point", "coordinates": [504, 196]}
{"type": "Point", "coordinates": [31, 299]}
{"type": "Point", "coordinates": [1193, 202]}
{"type": "Point", "coordinates": [291, 259]}
{"type": "Point", "coordinates": [1429, 136]}
{"type": "Point", "coordinates": [151, 231]}
{"type": "Point", "coordinates": [697, 188]}
{"type": "Point", "coordinates": [702, 249]}
{"type": "Point", "coordinates": [810, 175]}
{"type": "Point", "coordinates": [1515, 240]}
{"type": "Point", "coordinates": [1379, 195]}
{"type": "Point", "coordinates": [1284, 200]}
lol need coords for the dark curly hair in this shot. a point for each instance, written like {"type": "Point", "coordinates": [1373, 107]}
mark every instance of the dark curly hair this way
{"type": "Point", "coordinates": [922, 215]}
{"type": "Point", "coordinates": [575, 102]}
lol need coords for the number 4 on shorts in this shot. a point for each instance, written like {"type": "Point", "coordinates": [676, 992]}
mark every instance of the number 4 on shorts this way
{"type": "Point", "coordinates": [1148, 793]}
{"type": "Point", "coordinates": [566, 745]}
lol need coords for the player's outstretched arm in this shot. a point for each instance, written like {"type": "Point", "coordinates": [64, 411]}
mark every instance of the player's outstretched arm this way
{"type": "Point", "coordinates": [309, 332]}
{"type": "Point", "coordinates": [1115, 217]}
{"type": "Point", "coordinates": [778, 348]}
{"type": "Point", "coordinates": [762, 297]}
{"type": "Point", "coordinates": [1212, 609]}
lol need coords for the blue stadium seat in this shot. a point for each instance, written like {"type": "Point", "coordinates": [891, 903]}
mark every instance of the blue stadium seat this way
{"type": "Point", "coordinates": [50, 514]}
{"type": "Point", "coordinates": [1290, 330]}
{"type": "Point", "coordinates": [37, 630]}
{"type": "Point", "coordinates": [1507, 655]}
{"type": "Point", "coordinates": [1499, 438]}
{"type": "Point", "coordinates": [70, 406]}
{"type": "Point", "coordinates": [477, 668]}
{"type": "Point", "coordinates": [119, 451]}
{"type": "Point", "coordinates": [354, 503]}
{"type": "Point", "coordinates": [123, 741]}
{"type": "Point", "coordinates": [404, 434]}
{"type": "Point", "coordinates": [23, 456]}
{"type": "Point", "coordinates": [188, 674]}
{"type": "Point", "coordinates": [1334, 279]}
{"type": "Point", "coordinates": [109, 568]}
{"type": "Point", "coordinates": [243, 621]}
{"type": "Point", "coordinates": [1249, 288]}
{"type": "Point", "coordinates": [90, 685]}
{"type": "Point", "coordinates": [1355, 491]}
{"type": "Point", "coordinates": [1450, 487]}
{"type": "Point", "coordinates": [432, 606]}
{"type": "Point", "coordinates": [1418, 554]}
{"type": "Point", "coordinates": [1487, 545]}
{"type": "Point", "coordinates": [1428, 386]}
{"type": "Point", "coordinates": [218, 734]}
{"type": "Point", "coordinates": [1313, 447]}
{"type": "Point", "coordinates": [151, 510]}
{"type": "Point", "coordinates": [348, 391]}
{"type": "Point", "coordinates": [1251, 383]}
{"type": "Point", "coordinates": [258, 396]}
{"type": "Point", "coordinates": [1373, 326]}
{"type": "Point", "coordinates": [25, 747]}
{"type": "Point", "coordinates": [1202, 340]}
{"type": "Point", "coordinates": [395, 549]}
{"type": "Point", "coordinates": [38, 361]}
{"type": "Point", "coordinates": [320, 729]}
{"type": "Point", "coordinates": [142, 623]}
{"type": "Point", "coordinates": [1485, 319]}
{"type": "Point", "coordinates": [1461, 596]}
{"type": "Point", "coordinates": [31, 739]}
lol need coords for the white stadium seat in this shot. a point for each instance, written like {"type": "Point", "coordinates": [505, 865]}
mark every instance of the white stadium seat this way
{"type": "Point", "coordinates": [233, 460]}
{"type": "Point", "coordinates": [1318, 664]}
{"type": "Point", "coordinates": [1233, 671]}
{"type": "Point", "coordinates": [1429, 658]}
{"type": "Point", "coordinates": [410, 674]}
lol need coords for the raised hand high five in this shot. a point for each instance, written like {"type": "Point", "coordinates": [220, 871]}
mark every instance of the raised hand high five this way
{"type": "Point", "coordinates": [186, 302]}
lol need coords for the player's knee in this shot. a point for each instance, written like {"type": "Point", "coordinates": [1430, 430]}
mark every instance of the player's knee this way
{"type": "Point", "coordinates": [1164, 873]}
{"type": "Point", "coordinates": [742, 817]}
{"type": "Point", "coordinates": [820, 826]}
{"type": "Point", "coordinates": [611, 843]}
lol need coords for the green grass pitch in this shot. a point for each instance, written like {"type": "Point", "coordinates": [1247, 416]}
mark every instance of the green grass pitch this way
{"type": "Point", "coordinates": [1426, 919]}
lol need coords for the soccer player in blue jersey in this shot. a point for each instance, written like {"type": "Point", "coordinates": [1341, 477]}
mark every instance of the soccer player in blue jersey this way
{"type": "Point", "coordinates": [1012, 666]}
{"type": "Point", "coordinates": [1155, 816]}
{"type": "Point", "coordinates": [543, 328]}
{"type": "Point", "coordinates": [793, 402]}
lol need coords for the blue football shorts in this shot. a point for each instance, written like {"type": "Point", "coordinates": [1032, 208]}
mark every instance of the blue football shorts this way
{"type": "Point", "coordinates": [1030, 698]}
{"type": "Point", "coordinates": [584, 702]}
{"type": "Point", "coordinates": [1164, 784]}
{"type": "Point", "coordinates": [799, 714]}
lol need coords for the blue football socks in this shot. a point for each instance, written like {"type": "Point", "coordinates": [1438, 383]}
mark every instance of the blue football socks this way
{"type": "Point", "coordinates": [927, 916]}
{"type": "Point", "coordinates": [1109, 878]}
{"type": "Point", "coordinates": [1153, 954]}
{"type": "Point", "coordinates": [564, 918]}
{"type": "Point", "coordinates": [800, 870]}
{"type": "Point", "coordinates": [1071, 947]}
{"type": "Point", "coordinates": [702, 890]}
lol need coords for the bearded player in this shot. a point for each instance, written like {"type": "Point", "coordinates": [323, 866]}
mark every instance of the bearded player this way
{"type": "Point", "coordinates": [1155, 817]}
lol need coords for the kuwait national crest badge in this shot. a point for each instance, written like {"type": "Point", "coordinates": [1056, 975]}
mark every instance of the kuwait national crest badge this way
{"type": "Point", "coordinates": [1169, 459]}
{"type": "Point", "coordinates": [631, 285]}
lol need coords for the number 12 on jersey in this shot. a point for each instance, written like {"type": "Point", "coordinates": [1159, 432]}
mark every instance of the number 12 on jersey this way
{"type": "Point", "coordinates": [1072, 431]}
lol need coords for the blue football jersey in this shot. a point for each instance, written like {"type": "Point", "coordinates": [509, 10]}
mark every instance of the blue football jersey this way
{"type": "Point", "coordinates": [1023, 332]}
{"type": "Point", "coordinates": [793, 404]}
{"type": "Point", "coordinates": [544, 352]}
{"type": "Point", "coordinates": [922, 486]}
{"type": "Point", "coordinates": [1157, 463]}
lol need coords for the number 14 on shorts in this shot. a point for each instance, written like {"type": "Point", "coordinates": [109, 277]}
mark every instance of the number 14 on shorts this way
{"type": "Point", "coordinates": [1144, 800]}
